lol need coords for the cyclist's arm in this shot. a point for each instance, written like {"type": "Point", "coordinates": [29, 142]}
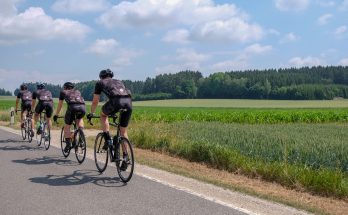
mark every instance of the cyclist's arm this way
{"type": "Point", "coordinates": [60, 105]}
{"type": "Point", "coordinates": [17, 102]}
{"type": "Point", "coordinates": [95, 102]}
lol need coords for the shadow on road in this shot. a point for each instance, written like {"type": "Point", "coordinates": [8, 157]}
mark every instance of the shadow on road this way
{"type": "Point", "coordinates": [79, 177]}
{"type": "Point", "coordinates": [47, 160]}
{"type": "Point", "coordinates": [18, 148]}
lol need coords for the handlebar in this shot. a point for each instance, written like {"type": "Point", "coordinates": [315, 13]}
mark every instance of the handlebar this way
{"type": "Point", "coordinates": [114, 116]}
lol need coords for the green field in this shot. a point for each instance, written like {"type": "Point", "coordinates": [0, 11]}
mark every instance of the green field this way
{"type": "Point", "coordinates": [300, 144]}
{"type": "Point", "coordinates": [244, 103]}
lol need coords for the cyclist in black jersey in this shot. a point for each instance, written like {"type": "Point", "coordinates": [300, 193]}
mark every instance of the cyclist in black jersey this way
{"type": "Point", "coordinates": [119, 98]}
{"type": "Point", "coordinates": [26, 97]}
{"type": "Point", "coordinates": [76, 110]}
{"type": "Point", "coordinates": [45, 103]}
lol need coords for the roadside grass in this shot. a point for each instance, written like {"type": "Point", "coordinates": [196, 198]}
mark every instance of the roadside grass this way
{"type": "Point", "coordinates": [318, 166]}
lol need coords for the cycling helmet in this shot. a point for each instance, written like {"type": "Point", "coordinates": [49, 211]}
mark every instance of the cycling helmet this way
{"type": "Point", "coordinates": [40, 86]}
{"type": "Point", "coordinates": [106, 73]}
{"type": "Point", "coordinates": [23, 87]}
{"type": "Point", "coordinates": [68, 85]}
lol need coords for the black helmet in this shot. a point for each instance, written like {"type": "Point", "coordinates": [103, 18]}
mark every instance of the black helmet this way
{"type": "Point", "coordinates": [23, 87]}
{"type": "Point", "coordinates": [106, 73]}
{"type": "Point", "coordinates": [40, 86]}
{"type": "Point", "coordinates": [68, 85]}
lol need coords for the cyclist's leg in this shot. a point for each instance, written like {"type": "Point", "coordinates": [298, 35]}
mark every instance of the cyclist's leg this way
{"type": "Point", "coordinates": [38, 109]}
{"type": "Point", "coordinates": [80, 113]}
{"type": "Point", "coordinates": [49, 111]}
{"type": "Point", "coordinates": [68, 119]}
{"type": "Point", "coordinates": [107, 109]}
{"type": "Point", "coordinates": [126, 103]}
{"type": "Point", "coordinates": [22, 114]}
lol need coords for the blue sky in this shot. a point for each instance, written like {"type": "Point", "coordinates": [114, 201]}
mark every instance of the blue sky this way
{"type": "Point", "coordinates": [72, 40]}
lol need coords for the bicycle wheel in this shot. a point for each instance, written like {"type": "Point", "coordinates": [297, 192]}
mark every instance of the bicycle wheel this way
{"type": "Point", "coordinates": [125, 163]}
{"type": "Point", "coordinates": [30, 138]}
{"type": "Point", "coordinates": [23, 130]}
{"type": "Point", "coordinates": [46, 136]}
{"type": "Point", "coordinates": [80, 145]}
{"type": "Point", "coordinates": [101, 156]}
{"type": "Point", "coordinates": [63, 143]}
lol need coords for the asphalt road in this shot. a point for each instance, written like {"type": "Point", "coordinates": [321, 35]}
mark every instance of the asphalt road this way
{"type": "Point", "coordinates": [35, 181]}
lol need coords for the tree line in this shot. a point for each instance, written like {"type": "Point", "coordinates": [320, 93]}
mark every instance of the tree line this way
{"type": "Point", "coordinates": [4, 92]}
{"type": "Point", "coordinates": [307, 83]}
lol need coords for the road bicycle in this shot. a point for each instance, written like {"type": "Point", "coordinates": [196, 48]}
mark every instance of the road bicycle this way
{"type": "Point", "coordinates": [43, 134]}
{"type": "Point", "coordinates": [26, 129]}
{"type": "Point", "coordinates": [78, 142]}
{"type": "Point", "coordinates": [120, 151]}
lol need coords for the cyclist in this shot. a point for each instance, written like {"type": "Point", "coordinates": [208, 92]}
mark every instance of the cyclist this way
{"type": "Point", "coordinates": [76, 110]}
{"type": "Point", "coordinates": [119, 98]}
{"type": "Point", "coordinates": [45, 103]}
{"type": "Point", "coordinates": [26, 97]}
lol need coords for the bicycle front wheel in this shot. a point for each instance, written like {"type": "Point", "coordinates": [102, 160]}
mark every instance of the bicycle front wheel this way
{"type": "Point", "coordinates": [63, 143]}
{"type": "Point", "coordinates": [80, 145]}
{"type": "Point", "coordinates": [46, 137]}
{"type": "Point", "coordinates": [125, 163]}
{"type": "Point", "coordinates": [101, 156]}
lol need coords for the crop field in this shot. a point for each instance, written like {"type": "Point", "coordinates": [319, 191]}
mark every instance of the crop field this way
{"type": "Point", "coordinates": [300, 144]}
{"type": "Point", "coordinates": [245, 103]}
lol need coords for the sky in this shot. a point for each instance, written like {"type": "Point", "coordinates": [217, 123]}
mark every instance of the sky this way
{"type": "Point", "coordinates": [72, 40]}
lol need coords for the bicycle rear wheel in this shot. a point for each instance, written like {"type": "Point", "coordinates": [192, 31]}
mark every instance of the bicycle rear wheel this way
{"type": "Point", "coordinates": [125, 163]}
{"type": "Point", "coordinates": [63, 143]}
{"type": "Point", "coordinates": [46, 136]}
{"type": "Point", "coordinates": [80, 145]}
{"type": "Point", "coordinates": [101, 156]}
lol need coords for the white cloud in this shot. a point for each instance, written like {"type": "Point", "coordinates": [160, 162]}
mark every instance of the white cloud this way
{"type": "Point", "coordinates": [9, 79]}
{"type": "Point", "coordinates": [326, 3]}
{"type": "Point", "coordinates": [257, 49]}
{"type": "Point", "coordinates": [8, 7]}
{"type": "Point", "coordinates": [291, 5]}
{"type": "Point", "coordinates": [307, 61]}
{"type": "Point", "coordinates": [80, 6]}
{"type": "Point", "coordinates": [124, 57]}
{"type": "Point", "coordinates": [290, 37]}
{"type": "Point", "coordinates": [344, 62]}
{"type": "Point", "coordinates": [231, 65]}
{"type": "Point", "coordinates": [204, 19]}
{"type": "Point", "coordinates": [101, 46]}
{"type": "Point", "coordinates": [240, 60]}
{"type": "Point", "coordinates": [324, 19]}
{"type": "Point", "coordinates": [177, 36]}
{"type": "Point", "coordinates": [341, 31]}
{"type": "Point", "coordinates": [186, 59]}
{"type": "Point", "coordinates": [234, 29]}
{"type": "Point", "coordinates": [190, 55]}
{"type": "Point", "coordinates": [344, 5]}
{"type": "Point", "coordinates": [34, 24]}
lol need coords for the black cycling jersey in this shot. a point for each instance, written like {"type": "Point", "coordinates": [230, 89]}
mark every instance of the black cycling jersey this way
{"type": "Point", "coordinates": [112, 88]}
{"type": "Point", "coordinates": [43, 95]}
{"type": "Point", "coordinates": [25, 96]}
{"type": "Point", "coordinates": [71, 96]}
